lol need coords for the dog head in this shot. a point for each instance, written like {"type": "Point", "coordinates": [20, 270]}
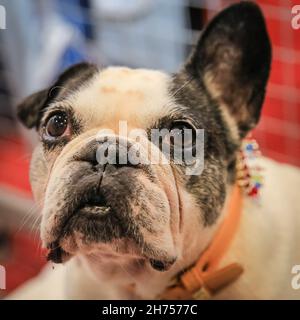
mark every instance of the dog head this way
{"type": "Point", "coordinates": [156, 214]}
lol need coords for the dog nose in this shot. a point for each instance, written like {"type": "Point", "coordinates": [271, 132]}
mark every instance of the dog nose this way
{"type": "Point", "coordinates": [105, 152]}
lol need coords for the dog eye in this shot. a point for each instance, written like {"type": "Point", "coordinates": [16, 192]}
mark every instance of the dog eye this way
{"type": "Point", "coordinates": [56, 125]}
{"type": "Point", "coordinates": [182, 133]}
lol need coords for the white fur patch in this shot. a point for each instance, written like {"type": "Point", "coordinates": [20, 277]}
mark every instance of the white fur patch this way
{"type": "Point", "coordinates": [138, 96]}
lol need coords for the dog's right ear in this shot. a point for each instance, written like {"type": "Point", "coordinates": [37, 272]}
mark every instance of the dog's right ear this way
{"type": "Point", "coordinates": [30, 109]}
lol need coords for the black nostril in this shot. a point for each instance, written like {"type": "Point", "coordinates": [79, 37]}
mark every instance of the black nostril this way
{"type": "Point", "coordinates": [88, 153]}
{"type": "Point", "coordinates": [91, 157]}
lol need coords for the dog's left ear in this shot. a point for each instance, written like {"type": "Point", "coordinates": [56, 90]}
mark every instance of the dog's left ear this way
{"type": "Point", "coordinates": [232, 60]}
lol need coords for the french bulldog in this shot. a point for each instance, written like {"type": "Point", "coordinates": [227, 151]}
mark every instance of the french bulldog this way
{"type": "Point", "coordinates": [123, 231]}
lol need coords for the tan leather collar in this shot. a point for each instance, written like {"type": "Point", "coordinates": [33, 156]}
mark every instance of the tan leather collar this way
{"type": "Point", "coordinates": [204, 279]}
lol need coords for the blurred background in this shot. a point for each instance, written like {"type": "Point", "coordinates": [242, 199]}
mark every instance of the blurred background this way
{"type": "Point", "coordinates": [43, 37]}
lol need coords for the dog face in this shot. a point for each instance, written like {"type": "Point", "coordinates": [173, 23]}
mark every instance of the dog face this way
{"type": "Point", "coordinates": [146, 212]}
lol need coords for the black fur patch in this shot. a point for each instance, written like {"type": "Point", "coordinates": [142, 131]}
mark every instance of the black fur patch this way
{"type": "Point", "coordinates": [229, 69]}
{"type": "Point", "coordinates": [208, 188]}
{"type": "Point", "coordinates": [234, 56]}
{"type": "Point", "coordinates": [31, 109]}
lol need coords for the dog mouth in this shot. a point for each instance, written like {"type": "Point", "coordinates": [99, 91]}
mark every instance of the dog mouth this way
{"type": "Point", "coordinates": [97, 209]}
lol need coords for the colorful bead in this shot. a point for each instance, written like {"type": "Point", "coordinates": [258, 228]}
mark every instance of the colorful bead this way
{"type": "Point", "coordinates": [248, 171]}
